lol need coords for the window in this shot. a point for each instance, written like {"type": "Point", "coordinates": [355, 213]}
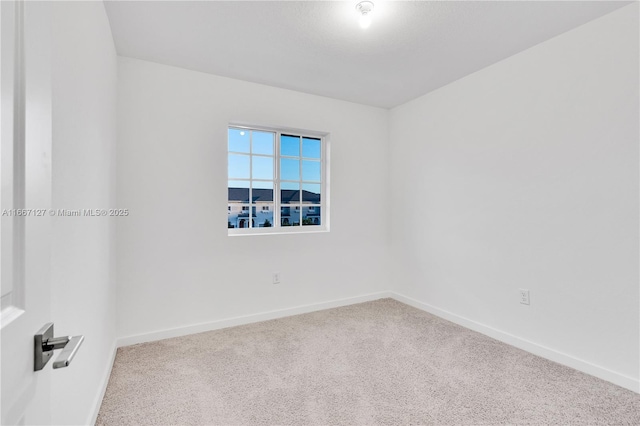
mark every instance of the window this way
{"type": "Point", "coordinates": [279, 174]}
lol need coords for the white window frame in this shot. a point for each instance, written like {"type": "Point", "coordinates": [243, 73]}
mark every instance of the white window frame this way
{"type": "Point", "coordinates": [324, 182]}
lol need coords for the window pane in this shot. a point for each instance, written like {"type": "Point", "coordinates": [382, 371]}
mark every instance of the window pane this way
{"type": "Point", "coordinates": [238, 166]}
{"type": "Point", "coordinates": [295, 216]}
{"type": "Point", "coordinates": [262, 191]}
{"type": "Point", "coordinates": [262, 143]}
{"type": "Point", "coordinates": [311, 193]}
{"type": "Point", "coordinates": [311, 148]}
{"type": "Point", "coordinates": [239, 140]}
{"type": "Point", "coordinates": [311, 171]}
{"type": "Point", "coordinates": [239, 216]}
{"type": "Point", "coordinates": [262, 167]}
{"type": "Point", "coordinates": [290, 216]}
{"type": "Point", "coordinates": [238, 191]}
{"type": "Point", "coordinates": [290, 145]}
{"type": "Point", "coordinates": [311, 215]}
{"type": "Point", "coordinates": [285, 216]}
{"type": "Point", "coordinates": [232, 215]}
{"type": "Point", "coordinates": [289, 192]}
{"type": "Point", "coordinates": [264, 216]}
{"type": "Point", "coordinates": [289, 169]}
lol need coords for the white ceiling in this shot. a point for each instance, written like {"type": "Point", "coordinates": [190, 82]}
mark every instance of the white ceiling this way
{"type": "Point", "coordinates": [411, 48]}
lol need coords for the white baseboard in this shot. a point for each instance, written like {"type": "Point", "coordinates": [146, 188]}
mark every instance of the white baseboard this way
{"type": "Point", "coordinates": [103, 388]}
{"type": "Point", "coordinates": [534, 348]}
{"type": "Point", "coordinates": [247, 319]}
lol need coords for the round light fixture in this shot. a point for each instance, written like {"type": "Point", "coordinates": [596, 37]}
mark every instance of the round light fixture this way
{"type": "Point", "coordinates": [365, 8]}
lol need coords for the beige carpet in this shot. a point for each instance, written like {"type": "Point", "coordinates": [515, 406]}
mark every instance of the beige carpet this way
{"type": "Point", "coordinates": [379, 362]}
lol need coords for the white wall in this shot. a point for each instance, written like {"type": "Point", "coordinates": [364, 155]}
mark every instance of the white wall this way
{"type": "Point", "coordinates": [522, 175]}
{"type": "Point", "coordinates": [83, 248]}
{"type": "Point", "coordinates": [525, 175]}
{"type": "Point", "coordinates": [176, 265]}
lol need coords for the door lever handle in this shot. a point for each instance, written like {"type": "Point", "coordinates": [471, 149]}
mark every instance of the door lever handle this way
{"type": "Point", "coordinates": [68, 352]}
{"type": "Point", "coordinates": [45, 344]}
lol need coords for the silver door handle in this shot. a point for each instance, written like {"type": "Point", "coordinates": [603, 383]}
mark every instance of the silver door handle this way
{"type": "Point", "coordinates": [68, 352]}
{"type": "Point", "coordinates": [45, 344]}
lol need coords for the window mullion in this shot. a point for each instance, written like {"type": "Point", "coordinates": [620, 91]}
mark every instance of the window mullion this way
{"type": "Point", "coordinates": [276, 182]}
{"type": "Point", "coordinates": [250, 179]}
{"type": "Point", "coordinates": [300, 183]}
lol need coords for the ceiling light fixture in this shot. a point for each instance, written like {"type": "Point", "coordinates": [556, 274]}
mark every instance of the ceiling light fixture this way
{"type": "Point", "coordinates": [366, 9]}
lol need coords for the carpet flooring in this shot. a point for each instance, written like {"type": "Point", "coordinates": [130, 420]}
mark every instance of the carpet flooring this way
{"type": "Point", "coordinates": [374, 363]}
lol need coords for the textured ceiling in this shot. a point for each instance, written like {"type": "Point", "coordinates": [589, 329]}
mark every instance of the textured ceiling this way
{"type": "Point", "coordinates": [410, 49]}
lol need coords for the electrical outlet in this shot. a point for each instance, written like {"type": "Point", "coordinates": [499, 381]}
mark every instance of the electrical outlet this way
{"type": "Point", "coordinates": [524, 296]}
{"type": "Point", "coordinates": [276, 277]}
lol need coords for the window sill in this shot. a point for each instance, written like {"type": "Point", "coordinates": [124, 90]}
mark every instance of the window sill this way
{"type": "Point", "coordinates": [277, 231]}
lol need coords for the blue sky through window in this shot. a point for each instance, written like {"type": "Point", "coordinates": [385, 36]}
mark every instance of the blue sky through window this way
{"type": "Point", "coordinates": [239, 140]}
{"type": "Point", "coordinates": [289, 169]}
{"type": "Point", "coordinates": [262, 167]}
{"type": "Point", "coordinates": [311, 148]}
{"type": "Point", "coordinates": [295, 186]}
{"type": "Point", "coordinates": [243, 143]}
{"type": "Point", "coordinates": [311, 171]}
{"type": "Point", "coordinates": [262, 143]}
{"type": "Point", "coordinates": [290, 146]}
{"type": "Point", "coordinates": [238, 166]}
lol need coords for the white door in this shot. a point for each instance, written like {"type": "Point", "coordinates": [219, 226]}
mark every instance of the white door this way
{"type": "Point", "coordinates": [25, 157]}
